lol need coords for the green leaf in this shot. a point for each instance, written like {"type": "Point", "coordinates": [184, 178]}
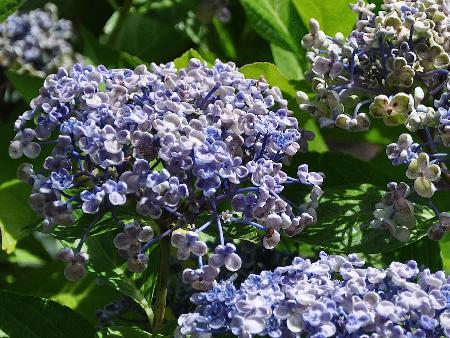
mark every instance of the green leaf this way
{"type": "Point", "coordinates": [109, 266]}
{"type": "Point", "coordinates": [413, 251]}
{"type": "Point", "coordinates": [272, 74]}
{"type": "Point", "coordinates": [8, 7]}
{"type": "Point", "coordinates": [123, 331]}
{"type": "Point", "coordinates": [333, 16]}
{"type": "Point", "coordinates": [352, 188]}
{"type": "Point", "coordinates": [343, 170]}
{"type": "Point", "coordinates": [183, 60]}
{"type": "Point", "coordinates": [277, 22]}
{"type": "Point", "coordinates": [318, 144]}
{"type": "Point", "coordinates": [85, 296]}
{"type": "Point", "coordinates": [151, 36]}
{"type": "Point", "coordinates": [32, 317]}
{"type": "Point", "coordinates": [243, 232]}
{"type": "Point", "coordinates": [102, 54]}
{"type": "Point", "coordinates": [343, 225]}
{"type": "Point", "coordinates": [15, 214]}
{"type": "Point", "coordinates": [225, 40]}
{"type": "Point", "coordinates": [27, 85]}
{"type": "Point", "coordinates": [287, 61]}
{"type": "Point", "coordinates": [444, 245]}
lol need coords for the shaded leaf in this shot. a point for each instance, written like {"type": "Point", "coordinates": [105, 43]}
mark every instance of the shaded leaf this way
{"type": "Point", "coordinates": [151, 37]}
{"type": "Point", "coordinates": [123, 331]}
{"type": "Point", "coordinates": [27, 85]}
{"type": "Point", "coordinates": [32, 317]}
{"type": "Point", "coordinates": [85, 296]}
{"type": "Point", "coordinates": [109, 266]}
{"type": "Point", "coordinates": [102, 54]}
{"type": "Point", "coordinates": [413, 251]}
{"type": "Point", "coordinates": [444, 245]}
{"type": "Point", "coordinates": [344, 170]}
{"type": "Point", "coordinates": [225, 40]}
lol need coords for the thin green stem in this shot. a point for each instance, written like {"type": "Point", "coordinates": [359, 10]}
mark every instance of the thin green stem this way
{"type": "Point", "coordinates": [123, 13]}
{"type": "Point", "coordinates": [161, 286]}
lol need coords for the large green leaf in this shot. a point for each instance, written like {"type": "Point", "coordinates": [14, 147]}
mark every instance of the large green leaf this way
{"type": "Point", "coordinates": [151, 36]}
{"type": "Point", "coordinates": [352, 188]}
{"type": "Point", "coordinates": [424, 251]}
{"type": "Point", "coordinates": [31, 261]}
{"type": "Point", "coordinates": [333, 15]}
{"type": "Point", "coordinates": [32, 317]}
{"type": "Point", "coordinates": [272, 74]}
{"type": "Point", "coordinates": [183, 60]}
{"type": "Point", "coordinates": [287, 61]}
{"type": "Point", "coordinates": [343, 225]}
{"type": "Point", "coordinates": [15, 214]}
{"type": "Point", "coordinates": [85, 296]}
{"type": "Point", "coordinates": [444, 245]}
{"type": "Point", "coordinates": [7, 7]}
{"type": "Point", "coordinates": [27, 85]}
{"type": "Point", "coordinates": [344, 170]}
{"type": "Point", "coordinates": [99, 53]}
{"type": "Point", "coordinates": [109, 266]}
{"type": "Point", "coordinates": [277, 22]}
{"type": "Point", "coordinates": [123, 331]}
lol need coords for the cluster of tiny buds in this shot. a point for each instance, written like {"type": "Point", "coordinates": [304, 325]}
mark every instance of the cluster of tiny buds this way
{"type": "Point", "coordinates": [76, 262]}
{"type": "Point", "coordinates": [129, 243]}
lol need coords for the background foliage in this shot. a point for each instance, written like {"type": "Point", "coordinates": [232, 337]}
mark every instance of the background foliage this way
{"type": "Point", "coordinates": [263, 38]}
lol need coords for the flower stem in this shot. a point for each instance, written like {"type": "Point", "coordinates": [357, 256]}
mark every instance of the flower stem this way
{"type": "Point", "coordinates": [161, 286]}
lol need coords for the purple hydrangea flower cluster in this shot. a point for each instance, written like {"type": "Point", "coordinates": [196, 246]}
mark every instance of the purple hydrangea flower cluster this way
{"type": "Point", "coordinates": [173, 145]}
{"type": "Point", "coordinates": [394, 66]}
{"type": "Point", "coordinates": [37, 41]}
{"type": "Point", "coordinates": [335, 296]}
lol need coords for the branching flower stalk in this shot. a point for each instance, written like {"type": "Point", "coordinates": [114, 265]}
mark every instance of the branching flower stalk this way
{"type": "Point", "coordinates": [196, 150]}
{"type": "Point", "coordinates": [393, 66]}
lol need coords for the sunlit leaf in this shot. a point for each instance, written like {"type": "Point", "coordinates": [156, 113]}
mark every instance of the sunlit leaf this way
{"type": "Point", "coordinates": [15, 213]}
{"type": "Point", "coordinates": [333, 15]}
{"type": "Point", "coordinates": [183, 60]}
{"type": "Point", "coordinates": [8, 7]}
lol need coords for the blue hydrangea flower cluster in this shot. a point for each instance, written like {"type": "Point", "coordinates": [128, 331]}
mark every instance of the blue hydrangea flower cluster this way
{"type": "Point", "coordinates": [36, 42]}
{"type": "Point", "coordinates": [335, 296]}
{"type": "Point", "coordinates": [171, 145]}
{"type": "Point", "coordinates": [394, 66]}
